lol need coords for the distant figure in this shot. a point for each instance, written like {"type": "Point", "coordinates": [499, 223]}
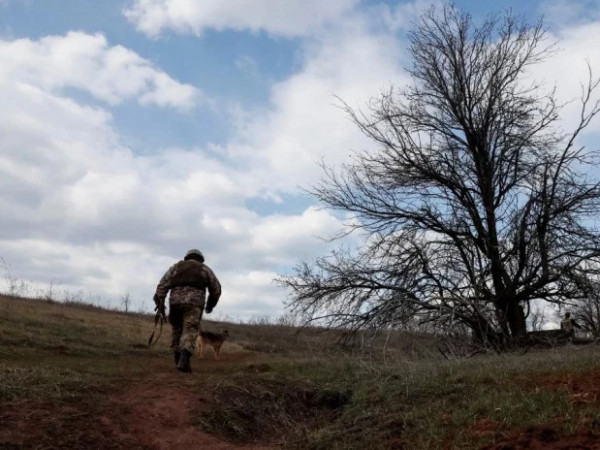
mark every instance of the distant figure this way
{"type": "Point", "coordinates": [187, 280]}
{"type": "Point", "coordinates": [568, 325]}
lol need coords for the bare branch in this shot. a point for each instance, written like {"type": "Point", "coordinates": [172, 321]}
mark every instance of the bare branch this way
{"type": "Point", "coordinates": [475, 202]}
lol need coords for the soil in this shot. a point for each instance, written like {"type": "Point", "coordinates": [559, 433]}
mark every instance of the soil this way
{"type": "Point", "coordinates": [548, 438]}
{"type": "Point", "coordinates": [583, 389]}
{"type": "Point", "coordinates": [163, 411]}
{"type": "Point", "coordinates": [160, 412]}
{"type": "Point", "coordinates": [162, 417]}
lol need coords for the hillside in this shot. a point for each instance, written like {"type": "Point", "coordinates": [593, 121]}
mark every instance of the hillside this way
{"type": "Point", "coordinates": [74, 376]}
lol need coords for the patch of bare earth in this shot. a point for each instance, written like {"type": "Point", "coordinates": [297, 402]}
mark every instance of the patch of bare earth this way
{"type": "Point", "coordinates": [546, 437]}
{"type": "Point", "coordinates": [161, 412]}
{"type": "Point", "coordinates": [163, 417]}
{"type": "Point", "coordinates": [32, 424]}
{"type": "Point", "coordinates": [583, 389]}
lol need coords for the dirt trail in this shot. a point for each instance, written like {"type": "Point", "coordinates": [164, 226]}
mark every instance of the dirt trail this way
{"type": "Point", "coordinates": [163, 412]}
{"type": "Point", "coordinates": [159, 412]}
{"type": "Point", "coordinates": [162, 416]}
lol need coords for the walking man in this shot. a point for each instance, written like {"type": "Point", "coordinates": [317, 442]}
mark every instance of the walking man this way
{"type": "Point", "coordinates": [188, 281]}
{"type": "Point", "coordinates": [568, 325]}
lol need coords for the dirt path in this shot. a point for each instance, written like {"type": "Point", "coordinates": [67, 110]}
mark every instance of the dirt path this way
{"type": "Point", "coordinates": [163, 411]}
{"type": "Point", "coordinates": [162, 416]}
{"type": "Point", "coordinates": [160, 411]}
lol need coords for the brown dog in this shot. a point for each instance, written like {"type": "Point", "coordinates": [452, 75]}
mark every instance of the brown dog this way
{"type": "Point", "coordinates": [215, 340]}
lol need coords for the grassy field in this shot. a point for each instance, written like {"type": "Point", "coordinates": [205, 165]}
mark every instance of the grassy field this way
{"type": "Point", "coordinates": [74, 376]}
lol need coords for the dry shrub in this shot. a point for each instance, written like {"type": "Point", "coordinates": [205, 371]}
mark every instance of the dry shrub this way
{"type": "Point", "coordinates": [252, 410]}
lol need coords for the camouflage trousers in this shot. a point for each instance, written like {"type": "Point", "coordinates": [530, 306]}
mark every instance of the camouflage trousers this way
{"type": "Point", "coordinates": [185, 325]}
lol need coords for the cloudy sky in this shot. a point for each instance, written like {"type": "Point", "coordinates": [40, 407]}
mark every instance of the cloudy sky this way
{"type": "Point", "coordinates": [133, 130]}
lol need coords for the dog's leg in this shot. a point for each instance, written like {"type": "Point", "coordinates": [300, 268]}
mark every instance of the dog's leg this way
{"type": "Point", "coordinates": [216, 349]}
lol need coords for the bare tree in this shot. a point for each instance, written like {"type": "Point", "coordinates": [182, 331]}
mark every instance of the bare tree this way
{"type": "Point", "coordinates": [126, 301]}
{"type": "Point", "coordinates": [11, 281]}
{"type": "Point", "coordinates": [537, 318]}
{"type": "Point", "coordinates": [475, 202]}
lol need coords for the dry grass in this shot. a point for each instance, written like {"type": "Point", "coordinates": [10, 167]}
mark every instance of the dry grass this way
{"type": "Point", "coordinates": [257, 408]}
{"type": "Point", "coordinates": [297, 390]}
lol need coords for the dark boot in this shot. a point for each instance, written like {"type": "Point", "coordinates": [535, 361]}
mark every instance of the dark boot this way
{"type": "Point", "coordinates": [177, 355]}
{"type": "Point", "coordinates": [184, 361]}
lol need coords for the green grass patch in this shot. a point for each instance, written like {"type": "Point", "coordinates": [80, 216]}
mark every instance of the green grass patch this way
{"type": "Point", "coordinates": [425, 404]}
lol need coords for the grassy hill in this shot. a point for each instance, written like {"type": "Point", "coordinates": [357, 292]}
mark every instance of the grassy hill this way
{"type": "Point", "coordinates": [75, 376]}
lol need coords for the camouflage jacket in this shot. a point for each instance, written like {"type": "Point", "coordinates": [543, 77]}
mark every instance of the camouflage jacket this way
{"type": "Point", "coordinates": [569, 325]}
{"type": "Point", "coordinates": [188, 281]}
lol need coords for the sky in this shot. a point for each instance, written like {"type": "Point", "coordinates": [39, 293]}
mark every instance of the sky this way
{"type": "Point", "coordinates": [134, 130]}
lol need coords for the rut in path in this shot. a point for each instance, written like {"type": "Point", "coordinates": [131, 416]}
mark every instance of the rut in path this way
{"type": "Point", "coordinates": [158, 411]}
{"type": "Point", "coordinates": [161, 415]}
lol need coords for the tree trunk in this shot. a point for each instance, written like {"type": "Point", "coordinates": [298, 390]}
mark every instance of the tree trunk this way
{"type": "Point", "coordinates": [515, 316]}
{"type": "Point", "coordinates": [485, 334]}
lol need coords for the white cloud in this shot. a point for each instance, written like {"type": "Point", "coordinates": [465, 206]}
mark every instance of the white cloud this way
{"type": "Point", "coordinates": [288, 18]}
{"type": "Point", "coordinates": [305, 122]}
{"type": "Point", "coordinates": [401, 16]}
{"type": "Point", "coordinates": [113, 74]}
{"type": "Point", "coordinates": [279, 234]}
{"type": "Point", "coordinates": [567, 69]}
{"type": "Point", "coordinates": [250, 293]}
{"type": "Point", "coordinates": [88, 212]}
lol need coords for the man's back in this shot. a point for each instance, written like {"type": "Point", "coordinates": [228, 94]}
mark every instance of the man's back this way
{"type": "Point", "coordinates": [188, 280]}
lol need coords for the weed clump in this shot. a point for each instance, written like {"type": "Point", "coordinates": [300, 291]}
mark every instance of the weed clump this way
{"type": "Point", "coordinates": [252, 410]}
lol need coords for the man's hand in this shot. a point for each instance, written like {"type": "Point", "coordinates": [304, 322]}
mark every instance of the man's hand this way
{"type": "Point", "coordinates": [160, 307]}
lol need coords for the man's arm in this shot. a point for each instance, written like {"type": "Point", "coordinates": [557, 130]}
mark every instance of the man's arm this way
{"type": "Point", "coordinates": [214, 290]}
{"type": "Point", "coordinates": [162, 289]}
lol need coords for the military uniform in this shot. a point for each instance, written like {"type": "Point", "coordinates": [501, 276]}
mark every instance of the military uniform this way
{"type": "Point", "coordinates": [188, 281]}
{"type": "Point", "coordinates": [568, 325]}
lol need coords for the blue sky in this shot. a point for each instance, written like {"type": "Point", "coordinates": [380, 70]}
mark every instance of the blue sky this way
{"type": "Point", "coordinates": [134, 130]}
{"type": "Point", "coordinates": [215, 63]}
